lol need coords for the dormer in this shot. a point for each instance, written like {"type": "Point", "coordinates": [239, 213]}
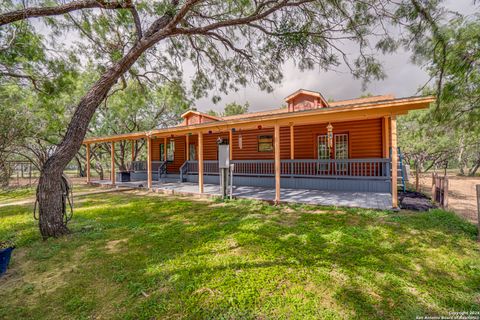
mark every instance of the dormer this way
{"type": "Point", "coordinates": [305, 100]}
{"type": "Point", "coordinates": [192, 117]}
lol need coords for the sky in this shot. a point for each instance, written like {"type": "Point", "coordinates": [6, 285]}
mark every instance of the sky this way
{"type": "Point", "coordinates": [403, 80]}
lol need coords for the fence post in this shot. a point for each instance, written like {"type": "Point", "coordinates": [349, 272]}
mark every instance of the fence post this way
{"type": "Point", "coordinates": [434, 187]}
{"type": "Point", "coordinates": [478, 210]}
{"type": "Point", "coordinates": [445, 193]}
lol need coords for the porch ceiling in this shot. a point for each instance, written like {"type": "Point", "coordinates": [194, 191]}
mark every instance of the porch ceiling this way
{"type": "Point", "coordinates": [347, 112]}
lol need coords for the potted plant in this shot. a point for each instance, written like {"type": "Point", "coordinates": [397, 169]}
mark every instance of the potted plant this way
{"type": "Point", "coordinates": [6, 248]}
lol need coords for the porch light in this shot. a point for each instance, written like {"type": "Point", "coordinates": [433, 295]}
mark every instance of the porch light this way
{"type": "Point", "coordinates": [209, 131]}
{"type": "Point", "coordinates": [330, 135]}
{"type": "Point", "coordinates": [259, 127]}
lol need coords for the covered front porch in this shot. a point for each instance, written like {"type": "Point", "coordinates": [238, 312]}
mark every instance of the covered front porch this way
{"type": "Point", "coordinates": [273, 157]}
{"type": "Point", "coordinates": [350, 148]}
{"type": "Point", "coordinates": [369, 200]}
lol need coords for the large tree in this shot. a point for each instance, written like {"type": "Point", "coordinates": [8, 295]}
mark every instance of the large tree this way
{"type": "Point", "coordinates": [448, 133]}
{"type": "Point", "coordinates": [227, 43]}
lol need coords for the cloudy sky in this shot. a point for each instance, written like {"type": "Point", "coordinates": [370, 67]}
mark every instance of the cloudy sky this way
{"type": "Point", "coordinates": [403, 79]}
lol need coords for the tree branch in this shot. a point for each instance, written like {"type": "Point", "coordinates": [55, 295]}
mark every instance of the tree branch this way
{"type": "Point", "coordinates": [136, 19]}
{"type": "Point", "coordinates": [22, 76]}
{"type": "Point", "coordinates": [36, 12]}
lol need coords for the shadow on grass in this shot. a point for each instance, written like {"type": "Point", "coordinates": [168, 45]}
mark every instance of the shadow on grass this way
{"type": "Point", "coordinates": [150, 257]}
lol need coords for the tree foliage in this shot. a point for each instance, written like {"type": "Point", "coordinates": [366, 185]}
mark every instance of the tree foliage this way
{"type": "Point", "coordinates": [231, 109]}
{"type": "Point", "coordinates": [447, 134]}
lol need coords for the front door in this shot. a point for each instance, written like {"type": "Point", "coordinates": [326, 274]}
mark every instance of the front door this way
{"type": "Point", "coordinates": [323, 153]}
{"type": "Point", "coordinates": [341, 151]}
{"type": "Point", "coordinates": [191, 152]}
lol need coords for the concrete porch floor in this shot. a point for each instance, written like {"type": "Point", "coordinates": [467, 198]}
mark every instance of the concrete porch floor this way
{"type": "Point", "coordinates": [369, 200]}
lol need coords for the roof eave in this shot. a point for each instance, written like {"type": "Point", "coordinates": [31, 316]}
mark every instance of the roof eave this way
{"type": "Point", "coordinates": [407, 104]}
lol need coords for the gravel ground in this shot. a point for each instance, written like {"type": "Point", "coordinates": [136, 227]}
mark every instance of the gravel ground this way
{"type": "Point", "coordinates": [462, 194]}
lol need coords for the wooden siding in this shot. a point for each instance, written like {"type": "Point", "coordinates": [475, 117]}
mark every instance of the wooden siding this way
{"type": "Point", "coordinates": [365, 141]}
{"type": "Point", "coordinates": [250, 144]}
{"type": "Point", "coordinates": [364, 138]}
{"type": "Point", "coordinates": [179, 155]}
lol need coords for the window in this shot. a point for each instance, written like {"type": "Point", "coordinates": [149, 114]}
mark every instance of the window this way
{"type": "Point", "coordinates": [341, 146]}
{"type": "Point", "coordinates": [170, 150]}
{"type": "Point", "coordinates": [341, 150]}
{"type": "Point", "coordinates": [265, 143]}
{"type": "Point", "coordinates": [323, 152]}
{"type": "Point", "coordinates": [162, 152]}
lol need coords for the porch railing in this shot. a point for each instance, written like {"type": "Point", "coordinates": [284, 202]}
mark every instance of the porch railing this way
{"type": "Point", "coordinates": [138, 166]}
{"type": "Point", "coordinates": [157, 166]}
{"type": "Point", "coordinates": [375, 168]}
{"type": "Point", "coordinates": [162, 168]}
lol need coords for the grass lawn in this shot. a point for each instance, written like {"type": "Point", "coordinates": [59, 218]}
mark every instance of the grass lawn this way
{"type": "Point", "coordinates": [13, 195]}
{"type": "Point", "coordinates": [156, 257]}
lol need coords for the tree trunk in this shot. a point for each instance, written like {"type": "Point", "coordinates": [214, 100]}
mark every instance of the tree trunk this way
{"type": "Point", "coordinates": [51, 221]}
{"type": "Point", "coordinates": [417, 171]}
{"type": "Point", "coordinates": [49, 187]}
{"type": "Point", "coordinates": [5, 173]}
{"type": "Point", "coordinates": [474, 168]}
{"type": "Point", "coordinates": [101, 174]}
{"type": "Point", "coordinates": [81, 172]}
{"type": "Point", "coordinates": [123, 167]}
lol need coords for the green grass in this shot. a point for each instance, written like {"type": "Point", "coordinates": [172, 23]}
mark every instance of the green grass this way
{"type": "Point", "coordinates": [15, 194]}
{"type": "Point", "coordinates": [154, 257]}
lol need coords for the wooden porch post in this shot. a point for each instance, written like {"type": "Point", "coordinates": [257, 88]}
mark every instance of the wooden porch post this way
{"type": "Point", "coordinates": [112, 163]}
{"type": "Point", "coordinates": [200, 162]}
{"type": "Point", "coordinates": [393, 123]}
{"type": "Point", "coordinates": [88, 162]}
{"type": "Point", "coordinates": [292, 142]}
{"type": "Point", "coordinates": [230, 142]}
{"type": "Point", "coordinates": [276, 148]}
{"type": "Point", "coordinates": [386, 138]}
{"type": "Point", "coordinates": [149, 162]}
{"type": "Point", "coordinates": [165, 149]}
{"type": "Point", "coordinates": [187, 141]}
{"type": "Point", "coordinates": [133, 150]}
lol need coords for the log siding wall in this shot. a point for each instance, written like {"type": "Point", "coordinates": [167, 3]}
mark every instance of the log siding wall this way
{"type": "Point", "coordinates": [364, 139]}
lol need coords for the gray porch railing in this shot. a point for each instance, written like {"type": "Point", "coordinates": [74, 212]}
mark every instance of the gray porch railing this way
{"type": "Point", "coordinates": [162, 168]}
{"type": "Point", "coordinates": [138, 166]}
{"type": "Point", "coordinates": [345, 168]}
{"type": "Point", "coordinates": [375, 168]}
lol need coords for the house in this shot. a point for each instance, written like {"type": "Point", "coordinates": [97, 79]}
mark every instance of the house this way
{"type": "Point", "coordinates": [348, 145]}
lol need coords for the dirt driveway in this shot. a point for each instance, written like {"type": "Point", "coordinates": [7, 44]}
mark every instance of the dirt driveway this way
{"type": "Point", "coordinates": [462, 194]}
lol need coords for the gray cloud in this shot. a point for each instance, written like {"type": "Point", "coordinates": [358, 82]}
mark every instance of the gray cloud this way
{"type": "Point", "coordinates": [403, 79]}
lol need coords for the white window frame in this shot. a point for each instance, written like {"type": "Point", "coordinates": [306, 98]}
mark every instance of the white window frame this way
{"type": "Point", "coordinates": [341, 150]}
{"type": "Point", "coordinates": [323, 153]}
{"type": "Point", "coordinates": [171, 150]}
